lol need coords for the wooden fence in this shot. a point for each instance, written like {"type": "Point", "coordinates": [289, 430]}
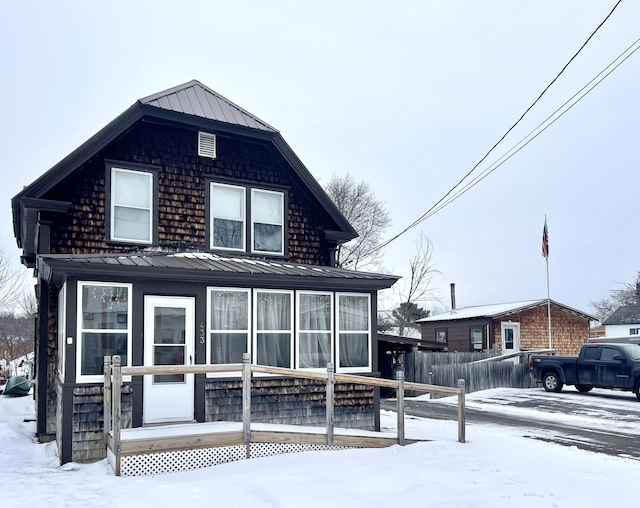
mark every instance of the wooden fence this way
{"type": "Point", "coordinates": [114, 372]}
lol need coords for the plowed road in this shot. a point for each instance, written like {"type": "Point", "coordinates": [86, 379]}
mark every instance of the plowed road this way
{"type": "Point", "coordinates": [601, 421]}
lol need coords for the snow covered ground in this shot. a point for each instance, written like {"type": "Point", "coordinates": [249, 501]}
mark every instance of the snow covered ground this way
{"type": "Point", "coordinates": [496, 468]}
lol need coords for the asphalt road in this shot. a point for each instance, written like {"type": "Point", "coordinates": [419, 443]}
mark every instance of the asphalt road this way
{"type": "Point", "coordinates": [597, 437]}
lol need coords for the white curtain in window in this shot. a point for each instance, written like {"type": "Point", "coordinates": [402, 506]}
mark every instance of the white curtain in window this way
{"type": "Point", "coordinates": [315, 330]}
{"type": "Point", "coordinates": [273, 326]}
{"type": "Point", "coordinates": [353, 327]}
{"type": "Point", "coordinates": [229, 325]}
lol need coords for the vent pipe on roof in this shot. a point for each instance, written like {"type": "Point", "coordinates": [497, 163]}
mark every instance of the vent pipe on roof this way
{"type": "Point", "coordinates": [453, 296]}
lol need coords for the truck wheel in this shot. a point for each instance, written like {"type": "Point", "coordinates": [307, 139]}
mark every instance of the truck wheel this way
{"type": "Point", "coordinates": [551, 382]}
{"type": "Point", "coordinates": [636, 389]}
{"type": "Point", "coordinates": [584, 388]}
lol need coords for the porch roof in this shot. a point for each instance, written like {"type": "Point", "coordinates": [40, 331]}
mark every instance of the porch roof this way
{"type": "Point", "coordinates": [209, 268]}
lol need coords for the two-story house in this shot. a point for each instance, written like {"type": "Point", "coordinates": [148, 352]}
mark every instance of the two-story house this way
{"type": "Point", "coordinates": [187, 231]}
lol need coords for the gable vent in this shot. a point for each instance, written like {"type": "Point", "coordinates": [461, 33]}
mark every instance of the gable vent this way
{"type": "Point", "coordinates": [206, 145]}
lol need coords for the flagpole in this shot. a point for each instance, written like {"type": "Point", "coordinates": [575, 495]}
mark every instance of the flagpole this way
{"type": "Point", "coordinates": [545, 253]}
{"type": "Point", "coordinates": [548, 304]}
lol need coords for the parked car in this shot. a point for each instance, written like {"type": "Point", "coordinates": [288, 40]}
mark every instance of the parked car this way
{"type": "Point", "coordinates": [614, 366]}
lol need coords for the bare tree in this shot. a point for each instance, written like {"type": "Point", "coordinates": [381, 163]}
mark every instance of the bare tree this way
{"type": "Point", "coordinates": [418, 288]}
{"type": "Point", "coordinates": [12, 283]}
{"type": "Point", "coordinates": [628, 294]}
{"type": "Point", "coordinates": [367, 215]}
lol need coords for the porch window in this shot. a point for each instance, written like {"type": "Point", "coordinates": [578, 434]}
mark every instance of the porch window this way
{"type": "Point", "coordinates": [228, 325]}
{"type": "Point", "coordinates": [227, 217]}
{"type": "Point", "coordinates": [354, 336]}
{"type": "Point", "coordinates": [315, 329]}
{"type": "Point", "coordinates": [477, 342]}
{"type": "Point", "coordinates": [131, 218]}
{"type": "Point", "coordinates": [267, 220]}
{"type": "Point", "coordinates": [104, 326]}
{"type": "Point", "coordinates": [273, 315]}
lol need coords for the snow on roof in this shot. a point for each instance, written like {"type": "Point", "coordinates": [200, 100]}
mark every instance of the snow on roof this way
{"type": "Point", "coordinates": [482, 311]}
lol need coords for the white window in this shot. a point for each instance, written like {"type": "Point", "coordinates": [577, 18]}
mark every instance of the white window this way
{"type": "Point", "coordinates": [267, 221]}
{"type": "Point", "coordinates": [315, 330]}
{"type": "Point", "coordinates": [273, 335]}
{"type": "Point", "coordinates": [104, 327]}
{"type": "Point", "coordinates": [62, 330]}
{"type": "Point", "coordinates": [131, 206]}
{"type": "Point", "coordinates": [228, 325]}
{"type": "Point", "coordinates": [354, 332]}
{"type": "Point", "coordinates": [476, 338]}
{"type": "Point", "coordinates": [227, 217]}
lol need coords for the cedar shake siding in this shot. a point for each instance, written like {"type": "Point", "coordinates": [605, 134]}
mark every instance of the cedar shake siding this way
{"type": "Point", "coordinates": [183, 178]}
{"type": "Point", "coordinates": [569, 331]}
{"type": "Point", "coordinates": [569, 327]}
{"type": "Point", "coordinates": [160, 257]}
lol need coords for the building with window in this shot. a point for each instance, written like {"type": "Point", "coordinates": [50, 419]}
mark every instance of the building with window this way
{"type": "Point", "coordinates": [624, 322]}
{"type": "Point", "coordinates": [186, 231]}
{"type": "Point", "coordinates": [509, 327]}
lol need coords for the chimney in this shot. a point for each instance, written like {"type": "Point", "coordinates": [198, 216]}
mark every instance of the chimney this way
{"type": "Point", "coordinates": [453, 296]}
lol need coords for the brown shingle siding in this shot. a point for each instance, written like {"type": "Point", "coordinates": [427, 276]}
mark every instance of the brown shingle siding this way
{"type": "Point", "coordinates": [181, 185]}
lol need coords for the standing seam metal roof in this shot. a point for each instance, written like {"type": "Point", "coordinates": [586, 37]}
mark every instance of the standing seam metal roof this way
{"type": "Point", "coordinates": [194, 98]}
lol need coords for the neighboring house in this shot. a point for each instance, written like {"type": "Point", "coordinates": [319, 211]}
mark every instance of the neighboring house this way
{"type": "Point", "coordinates": [187, 231]}
{"type": "Point", "coordinates": [510, 327]}
{"type": "Point", "coordinates": [624, 322]}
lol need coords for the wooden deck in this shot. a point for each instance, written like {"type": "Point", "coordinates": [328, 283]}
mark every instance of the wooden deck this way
{"type": "Point", "coordinates": [176, 447]}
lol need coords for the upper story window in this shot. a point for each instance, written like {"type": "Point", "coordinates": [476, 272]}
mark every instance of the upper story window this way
{"type": "Point", "coordinates": [229, 229]}
{"type": "Point", "coordinates": [131, 217]}
{"type": "Point", "coordinates": [267, 220]}
{"type": "Point", "coordinates": [228, 206]}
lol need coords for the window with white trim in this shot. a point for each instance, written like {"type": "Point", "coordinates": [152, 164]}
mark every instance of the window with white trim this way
{"type": "Point", "coordinates": [267, 221]}
{"type": "Point", "coordinates": [104, 327]}
{"type": "Point", "coordinates": [228, 204]}
{"type": "Point", "coordinates": [131, 218]}
{"type": "Point", "coordinates": [314, 330]}
{"type": "Point", "coordinates": [229, 325]}
{"type": "Point", "coordinates": [273, 333]}
{"type": "Point", "coordinates": [62, 330]}
{"type": "Point", "coordinates": [353, 332]}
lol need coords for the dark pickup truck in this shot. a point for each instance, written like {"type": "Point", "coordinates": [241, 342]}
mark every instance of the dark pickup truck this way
{"type": "Point", "coordinates": [615, 366]}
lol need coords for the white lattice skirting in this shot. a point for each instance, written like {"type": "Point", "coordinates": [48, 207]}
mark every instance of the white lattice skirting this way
{"type": "Point", "coordinates": [184, 460]}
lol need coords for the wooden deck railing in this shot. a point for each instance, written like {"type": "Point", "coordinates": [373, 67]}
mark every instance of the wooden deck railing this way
{"type": "Point", "coordinates": [114, 372]}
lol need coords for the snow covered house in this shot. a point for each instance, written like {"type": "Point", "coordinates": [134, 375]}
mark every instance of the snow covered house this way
{"type": "Point", "coordinates": [510, 327]}
{"type": "Point", "coordinates": [187, 231]}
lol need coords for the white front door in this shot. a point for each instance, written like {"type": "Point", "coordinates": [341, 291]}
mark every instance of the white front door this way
{"type": "Point", "coordinates": [169, 332]}
{"type": "Point", "coordinates": [510, 333]}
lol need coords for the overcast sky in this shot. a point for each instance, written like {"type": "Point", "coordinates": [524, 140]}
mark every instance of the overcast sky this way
{"type": "Point", "coordinates": [408, 95]}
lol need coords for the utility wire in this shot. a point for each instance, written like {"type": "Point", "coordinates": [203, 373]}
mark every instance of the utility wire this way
{"type": "Point", "coordinates": [540, 128]}
{"type": "Point", "coordinates": [443, 198]}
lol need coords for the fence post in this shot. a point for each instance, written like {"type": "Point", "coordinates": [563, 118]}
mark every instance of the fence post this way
{"type": "Point", "coordinates": [246, 401]}
{"type": "Point", "coordinates": [430, 382]}
{"type": "Point", "coordinates": [106, 399]}
{"type": "Point", "coordinates": [117, 410]}
{"type": "Point", "coordinates": [400, 399]}
{"type": "Point", "coordinates": [330, 403]}
{"type": "Point", "coordinates": [461, 416]}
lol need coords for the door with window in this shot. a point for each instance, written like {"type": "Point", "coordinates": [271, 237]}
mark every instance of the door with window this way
{"type": "Point", "coordinates": [169, 332]}
{"type": "Point", "coordinates": [510, 333]}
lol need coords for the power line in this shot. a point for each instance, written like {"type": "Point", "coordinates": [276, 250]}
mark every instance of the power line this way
{"type": "Point", "coordinates": [443, 200]}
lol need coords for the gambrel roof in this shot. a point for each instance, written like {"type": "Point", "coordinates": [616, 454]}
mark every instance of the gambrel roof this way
{"type": "Point", "coordinates": [192, 104]}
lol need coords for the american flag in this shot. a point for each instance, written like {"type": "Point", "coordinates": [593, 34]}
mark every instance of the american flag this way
{"type": "Point", "coordinates": [545, 240]}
